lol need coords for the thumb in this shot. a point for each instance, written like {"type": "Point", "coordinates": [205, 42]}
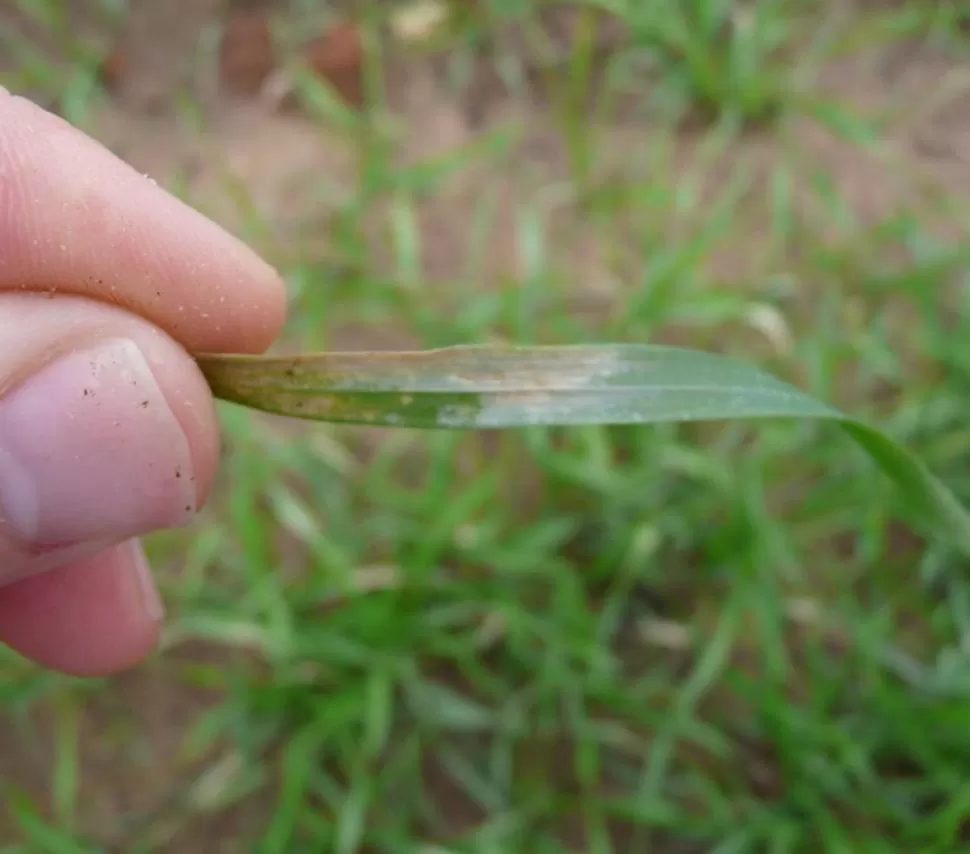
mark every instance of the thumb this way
{"type": "Point", "coordinates": [107, 431]}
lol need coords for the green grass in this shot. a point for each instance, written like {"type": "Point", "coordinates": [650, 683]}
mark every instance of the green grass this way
{"type": "Point", "coordinates": [678, 639]}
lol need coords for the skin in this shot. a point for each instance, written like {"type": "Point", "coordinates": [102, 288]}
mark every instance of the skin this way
{"type": "Point", "coordinates": [92, 251]}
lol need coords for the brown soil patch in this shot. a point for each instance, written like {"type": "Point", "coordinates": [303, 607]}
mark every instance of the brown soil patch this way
{"type": "Point", "coordinates": [133, 766]}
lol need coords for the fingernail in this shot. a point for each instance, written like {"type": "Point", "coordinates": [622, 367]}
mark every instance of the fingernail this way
{"type": "Point", "coordinates": [149, 599]}
{"type": "Point", "coordinates": [90, 450]}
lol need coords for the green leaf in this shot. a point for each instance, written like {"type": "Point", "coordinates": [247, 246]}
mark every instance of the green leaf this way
{"type": "Point", "coordinates": [42, 837]}
{"type": "Point", "coordinates": [499, 387]}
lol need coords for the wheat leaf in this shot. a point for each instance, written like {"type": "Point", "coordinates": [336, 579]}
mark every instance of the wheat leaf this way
{"type": "Point", "coordinates": [507, 387]}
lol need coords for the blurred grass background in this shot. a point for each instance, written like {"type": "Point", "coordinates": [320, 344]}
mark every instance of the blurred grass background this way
{"type": "Point", "coordinates": [672, 640]}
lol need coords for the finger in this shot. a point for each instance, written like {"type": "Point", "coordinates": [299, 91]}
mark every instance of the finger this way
{"type": "Point", "coordinates": [91, 618]}
{"type": "Point", "coordinates": [76, 219]}
{"type": "Point", "coordinates": [107, 431]}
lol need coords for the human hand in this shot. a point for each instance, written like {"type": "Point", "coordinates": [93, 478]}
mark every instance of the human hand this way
{"type": "Point", "coordinates": [107, 428]}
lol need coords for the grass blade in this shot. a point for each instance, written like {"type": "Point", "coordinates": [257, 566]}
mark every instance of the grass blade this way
{"type": "Point", "coordinates": [506, 387]}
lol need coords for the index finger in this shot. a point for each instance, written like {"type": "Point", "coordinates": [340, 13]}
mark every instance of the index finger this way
{"type": "Point", "coordinates": [76, 219]}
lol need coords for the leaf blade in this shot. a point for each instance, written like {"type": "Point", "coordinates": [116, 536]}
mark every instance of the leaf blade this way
{"type": "Point", "coordinates": [476, 387]}
{"type": "Point", "coordinates": [500, 388]}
